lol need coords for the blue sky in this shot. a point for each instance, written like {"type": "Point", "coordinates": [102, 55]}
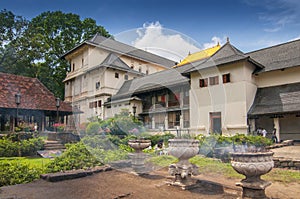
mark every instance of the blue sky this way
{"type": "Point", "coordinates": [250, 24]}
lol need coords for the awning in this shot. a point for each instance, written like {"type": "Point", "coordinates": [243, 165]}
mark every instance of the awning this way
{"type": "Point", "coordinates": [283, 99]}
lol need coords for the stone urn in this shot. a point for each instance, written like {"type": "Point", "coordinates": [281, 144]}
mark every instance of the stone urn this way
{"type": "Point", "coordinates": [253, 165]}
{"type": "Point", "coordinates": [183, 149]}
{"type": "Point", "coordinates": [138, 157]}
{"type": "Point", "coordinates": [139, 145]}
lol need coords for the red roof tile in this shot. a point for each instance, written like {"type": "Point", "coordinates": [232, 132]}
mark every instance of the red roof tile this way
{"type": "Point", "coordinates": [34, 95]}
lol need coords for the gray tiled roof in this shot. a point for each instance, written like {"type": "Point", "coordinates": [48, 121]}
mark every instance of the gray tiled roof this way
{"type": "Point", "coordinates": [113, 61]}
{"type": "Point", "coordinates": [163, 79]}
{"type": "Point", "coordinates": [226, 54]}
{"type": "Point", "coordinates": [121, 48]}
{"type": "Point", "coordinates": [276, 100]}
{"type": "Point", "coordinates": [278, 57]}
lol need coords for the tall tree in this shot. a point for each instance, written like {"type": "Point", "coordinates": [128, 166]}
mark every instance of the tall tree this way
{"type": "Point", "coordinates": [50, 35]}
{"type": "Point", "coordinates": [12, 27]}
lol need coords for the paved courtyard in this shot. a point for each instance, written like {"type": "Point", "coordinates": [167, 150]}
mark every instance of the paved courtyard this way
{"type": "Point", "coordinates": [116, 184]}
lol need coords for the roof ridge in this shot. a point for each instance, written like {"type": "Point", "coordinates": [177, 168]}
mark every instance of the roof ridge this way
{"type": "Point", "coordinates": [273, 46]}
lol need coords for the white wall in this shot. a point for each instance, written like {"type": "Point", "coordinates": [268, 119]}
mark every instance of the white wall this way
{"type": "Point", "coordinates": [232, 99]}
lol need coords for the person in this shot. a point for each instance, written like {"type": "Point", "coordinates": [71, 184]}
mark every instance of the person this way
{"type": "Point", "coordinates": [259, 131]}
{"type": "Point", "coordinates": [274, 137]}
{"type": "Point", "coordinates": [264, 132]}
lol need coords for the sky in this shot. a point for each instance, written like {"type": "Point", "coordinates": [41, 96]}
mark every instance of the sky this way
{"type": "Point", "coordinates": [175, 28]}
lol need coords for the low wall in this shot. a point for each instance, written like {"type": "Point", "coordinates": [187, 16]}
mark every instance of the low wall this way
{"type": "Point", "coordinates": [286, 163]}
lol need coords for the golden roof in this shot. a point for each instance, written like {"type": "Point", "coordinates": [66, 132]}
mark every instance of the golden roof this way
{"type": "Point", "coordinates": [199, 55]}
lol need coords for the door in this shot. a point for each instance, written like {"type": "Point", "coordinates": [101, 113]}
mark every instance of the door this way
{"type": "Point", "coordinates": [215, 122]}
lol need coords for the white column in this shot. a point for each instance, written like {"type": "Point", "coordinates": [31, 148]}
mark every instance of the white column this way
{"type": "Point", "coordinates": [252, 125]}
{"type": "Point", "coordinates": [181, 121]}
{"type": "Point", "coordinates": [153, 123]}
{"type": "Point", "coordinates": [166, 121]}
{"type": "Point", "coordinates": [277, 126]}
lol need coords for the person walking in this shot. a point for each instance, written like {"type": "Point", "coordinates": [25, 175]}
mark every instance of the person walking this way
{"type": "Point", "coordinates": [274, 137]}
{"type": "Point", "coordinates": [264, 132]}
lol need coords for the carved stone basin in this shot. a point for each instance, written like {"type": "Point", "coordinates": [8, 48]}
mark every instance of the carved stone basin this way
{"type": "Point", "coordinates": [139, 145]}
{"type": "Point", "coordinates": [183, 149]}
{"type": "Point", "coordinates": [138, 158]}
{"type": "Point", "coordinates": [253, 165]}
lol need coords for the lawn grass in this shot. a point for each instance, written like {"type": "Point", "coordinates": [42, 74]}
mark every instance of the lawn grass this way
{"type": "Point", "coordinates": [33, 162]}
{"type": "Point", "coordinates": [216, 167]}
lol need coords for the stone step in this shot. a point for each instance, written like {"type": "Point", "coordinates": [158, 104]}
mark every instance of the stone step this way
{"type": "Point", "coordinates": [55, 147]}
{"type": "Point", "coordinates": [52, 145]}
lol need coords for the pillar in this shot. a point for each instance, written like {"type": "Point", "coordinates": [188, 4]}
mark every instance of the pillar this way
{"type": "Point", "coordinates": [181, 121]}
{"type": "Point", "coordinates": [166, 121]}
{"type": "Point", "coordinates": [252, 125]}
{"type": "Point", "coordinates": [153, 122]}
{"type": "Point", "coordinates": [277, 126]}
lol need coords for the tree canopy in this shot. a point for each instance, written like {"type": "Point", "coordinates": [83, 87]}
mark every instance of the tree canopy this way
{"type": "Point", "coordinates": [34, 48]}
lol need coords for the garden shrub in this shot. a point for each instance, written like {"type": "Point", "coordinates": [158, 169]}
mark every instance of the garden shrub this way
{"type": "Point", "coordinates": [12, 173]}
{"type": "Point", "coordinates": [209, 144]}
{"type": "Point", "coordinates": [76, 156]}
{"type": "Point", "coordinates": [93, 128]}
{"type": "Point", "coordinates": [10, 148]}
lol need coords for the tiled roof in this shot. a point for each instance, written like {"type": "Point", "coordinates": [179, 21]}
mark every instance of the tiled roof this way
{"type": "Point", "coordinates": [34, 95]}
{"type": "Point", "coordinates": [276, 100]}
{"type": "Point", "coordinates": [226, 54]}
{"type": "Point", "coordinates": [113, 61]}
{"type": "Point", "coordinates": [278, 57]}
{"type": "Point", "coordinates": [199, 55]}
{"type": "Point", "coordinates": [163, 79]}
{"type": "Point", "coordinates": [121, 48]}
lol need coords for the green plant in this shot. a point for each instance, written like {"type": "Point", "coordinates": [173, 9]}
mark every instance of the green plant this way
{"type": "Point", "coordinates": [16, 173]}
{"type": "Point", "coordinates": [77, 156]}
{"type": "Point", "coordinates": [93, 128]}
{"type": "Point", "coordinates": [10, 148]}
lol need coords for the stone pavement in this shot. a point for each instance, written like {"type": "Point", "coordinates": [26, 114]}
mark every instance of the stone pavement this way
{"type": "Point", "coordinates": [292, 152]}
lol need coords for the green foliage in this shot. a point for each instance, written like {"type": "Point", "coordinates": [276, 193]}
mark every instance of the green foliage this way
{"type": "Point", "coordinates": [16, 173]}
{"type": "Point", "coordinates": [93, 128]}
{"type": "Point", "coordinates": [34, 48]}
{"type": "Point", "coordinates": [160, 137]}
{"type": "Point", "coordinates": [76, 156]}
{"type": "Point", "coordinates": [209, 143]}
{"type": "Point", "coordinates": [122, 124]}
{"type": "Point", "coordinates": [10, 148]}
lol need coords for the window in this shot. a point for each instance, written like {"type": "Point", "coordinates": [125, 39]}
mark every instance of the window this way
{"type": "Point", "coordinates": [140, 69]}
{"type": "Point", "coordinates": [73, 67]}
{"type": "Point", "coordinates": [203, 82]}
{"type": "Point", "coordinates": [82, 62]}
{"type": "Point", "coordinates": [97, 85]}
{"type": "Point", "coordinates": [116, 75]}
{"type": "Point", "coordinates": [126, 77]}
{"type": "Point", "coordinates": [214, 80]}
{"type": "Point", "coordinates": [99, 103]}
{"type": "Point", "coordinates": [226, 78]}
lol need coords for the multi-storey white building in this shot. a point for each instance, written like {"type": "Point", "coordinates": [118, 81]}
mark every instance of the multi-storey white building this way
{"type": "Point", "coordinates": [219, 90]}
{"type": "Point", "coordinates": [99, 67]}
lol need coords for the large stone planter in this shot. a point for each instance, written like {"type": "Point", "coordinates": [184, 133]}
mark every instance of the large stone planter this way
{"type": "Point", "coordinates": [138, 158]}
{"type": "Point", "coordinates": [253, 165]}
{"type": "Point", "coordinates": [183, 149]}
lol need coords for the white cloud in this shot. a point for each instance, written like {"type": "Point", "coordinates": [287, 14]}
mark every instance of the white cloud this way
{"type": "Point", "coordinates": [164, 42]}
{"type": "Point", "coordinates": [214, 41]}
